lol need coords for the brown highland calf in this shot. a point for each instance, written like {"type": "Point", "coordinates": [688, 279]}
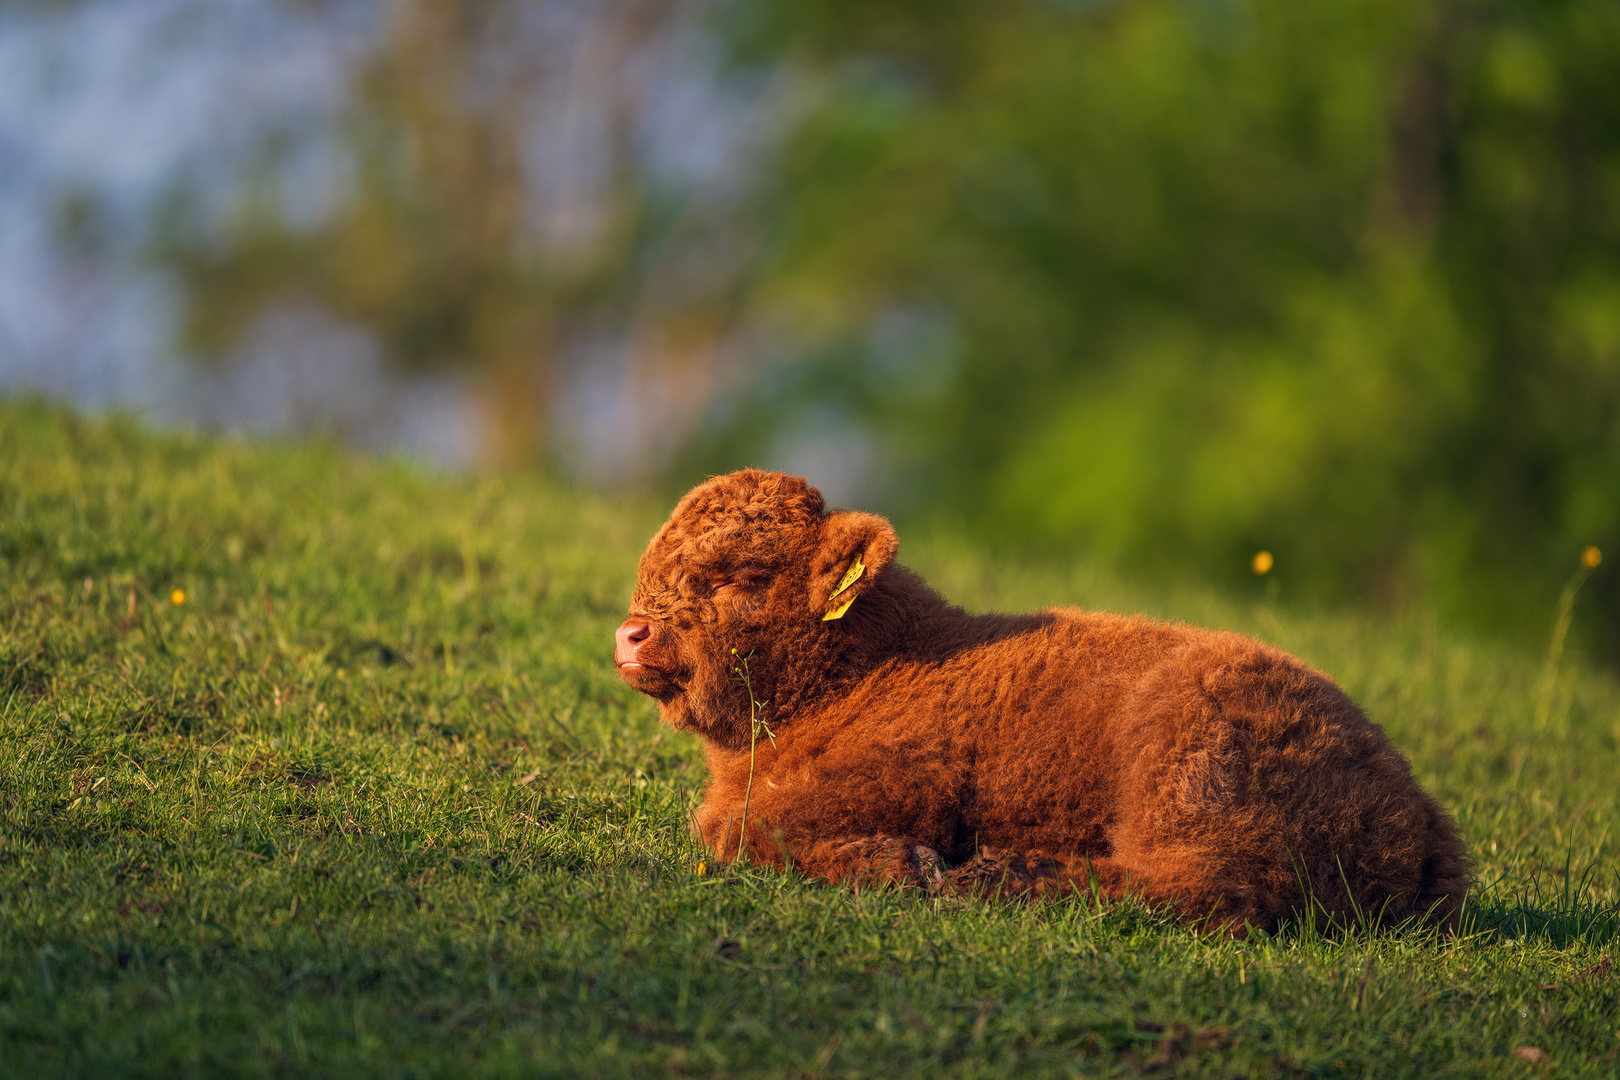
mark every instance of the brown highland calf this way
{"type": "Point", "coordinates": [1045, 754]}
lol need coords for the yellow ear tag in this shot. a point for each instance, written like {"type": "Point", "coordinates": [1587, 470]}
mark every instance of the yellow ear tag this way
{"type": "Point", "coordinates": [851, 576]}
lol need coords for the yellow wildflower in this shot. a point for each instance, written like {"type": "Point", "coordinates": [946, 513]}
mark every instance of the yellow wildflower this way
{"type": "Point", "coordinates": [1591, 557]}
{"type": "Point", "coordinates": [177, 597]}
{"type": "Point", "coordinates": [1262, 562]}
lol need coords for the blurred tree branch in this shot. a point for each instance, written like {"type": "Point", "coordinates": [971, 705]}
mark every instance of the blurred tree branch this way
{"type": "Point", "coordinates": [450, 246]}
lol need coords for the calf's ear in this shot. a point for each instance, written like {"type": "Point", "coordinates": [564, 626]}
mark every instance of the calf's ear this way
{"type": "Point", "coordinates": [854, 548]}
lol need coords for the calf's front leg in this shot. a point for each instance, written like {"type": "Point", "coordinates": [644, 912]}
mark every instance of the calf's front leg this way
{"type": "Point", "coordinates": [875, 860]}
{"type": "Point", "coordinates": [856, 861]}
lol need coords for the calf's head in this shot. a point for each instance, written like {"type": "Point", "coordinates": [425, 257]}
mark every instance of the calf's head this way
{"type": "Point", "coordinates": [749, 566]}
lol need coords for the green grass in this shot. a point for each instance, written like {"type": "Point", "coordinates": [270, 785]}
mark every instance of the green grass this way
{"type": "Point", "coordinates": [372, 801]}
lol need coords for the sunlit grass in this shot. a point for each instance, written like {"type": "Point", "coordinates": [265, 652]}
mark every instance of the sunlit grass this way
{"type": "Point", "coordinates": [368, 798]}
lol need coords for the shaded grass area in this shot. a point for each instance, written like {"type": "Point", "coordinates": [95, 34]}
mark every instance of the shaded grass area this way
{"type": "Point", "coordinates": [371, 801]}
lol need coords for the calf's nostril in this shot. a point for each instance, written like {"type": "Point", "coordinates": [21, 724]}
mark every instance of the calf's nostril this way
{"type": "Point", "coordinates": [631, 634]}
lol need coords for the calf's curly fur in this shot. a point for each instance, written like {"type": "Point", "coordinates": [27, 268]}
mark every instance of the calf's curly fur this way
{"type": "Point", "coordinates": [1041, 754]}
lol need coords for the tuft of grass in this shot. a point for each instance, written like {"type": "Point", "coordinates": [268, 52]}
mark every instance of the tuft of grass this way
{"type": "Point", "coordinates": [372, 800]}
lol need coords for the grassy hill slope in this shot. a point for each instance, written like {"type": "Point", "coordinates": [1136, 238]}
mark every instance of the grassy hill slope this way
{"type": "Point", "coordinates": [315, 765]}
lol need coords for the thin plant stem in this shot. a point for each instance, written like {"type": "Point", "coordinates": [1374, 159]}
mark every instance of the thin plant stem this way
{"type": "Point", "coordinates": [1555, 648]}
{"type": "Point", "coordinates": [748, 793]}
{"type": "Point", "coordinates": [756, 724]}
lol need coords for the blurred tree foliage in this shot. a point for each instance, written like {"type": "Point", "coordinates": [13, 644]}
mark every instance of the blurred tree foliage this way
{"type": "Point", "coordinates": [1162, 282]}
{"type": "Point", "coordinates": [1170, 281]}
{"type": "Point", "coordinates": [492, 215]}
